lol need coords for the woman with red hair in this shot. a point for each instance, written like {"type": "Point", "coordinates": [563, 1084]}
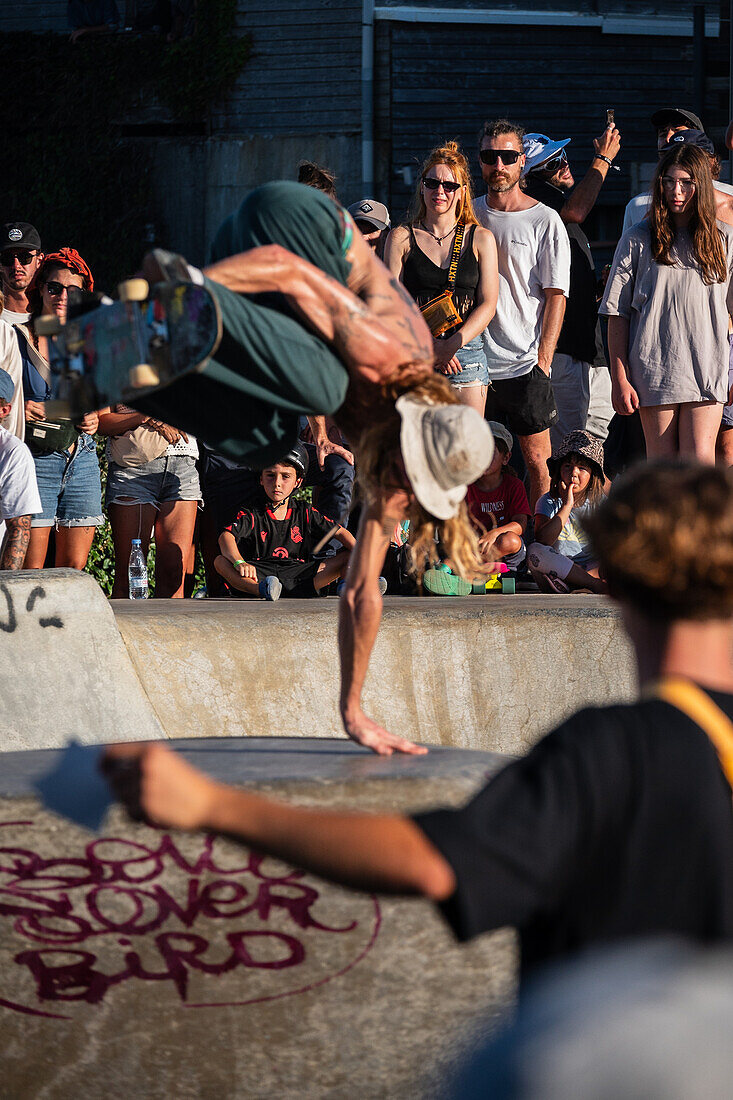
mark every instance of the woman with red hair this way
{"type": "Point", "coordinates": [64, 453]}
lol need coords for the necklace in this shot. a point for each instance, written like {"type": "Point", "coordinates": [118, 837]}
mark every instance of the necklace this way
{"type": "Point", "coordinates": [433, 235]}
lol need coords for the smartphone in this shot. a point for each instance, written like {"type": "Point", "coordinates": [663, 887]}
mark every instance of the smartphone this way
{"type": "Point", "coordinates": [610, 119]}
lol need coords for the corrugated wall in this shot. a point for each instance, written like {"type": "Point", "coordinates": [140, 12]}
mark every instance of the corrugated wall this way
{"type": "Point", "coordinates": [558, 81]}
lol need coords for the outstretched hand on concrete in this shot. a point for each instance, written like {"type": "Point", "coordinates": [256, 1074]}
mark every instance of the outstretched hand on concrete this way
{"type": "Point", "coordinates": [365, 731]}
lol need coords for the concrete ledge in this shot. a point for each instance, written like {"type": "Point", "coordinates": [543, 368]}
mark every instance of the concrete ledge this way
{"type": "Point", "coordinates": [162, 964]}
{"type": "Point", "coordinates": [482, 672]}
{"type": "Point", "coordinates": [66, 672]}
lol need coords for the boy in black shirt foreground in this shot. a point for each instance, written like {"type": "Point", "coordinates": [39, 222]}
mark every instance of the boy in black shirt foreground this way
{"type": "Point", "coordinates": [619, 823]}
{"type": "Point", "coordinates": [271, 547]}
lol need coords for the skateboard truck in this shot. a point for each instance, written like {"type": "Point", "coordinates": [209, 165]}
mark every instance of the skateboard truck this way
{"type": "Point", "coordinates": [110, 353]}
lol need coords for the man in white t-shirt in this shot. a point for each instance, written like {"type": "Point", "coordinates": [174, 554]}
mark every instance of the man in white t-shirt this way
{"type": "Point", "coordinates": [20, 257]}
{"type": "Point", "coordinates": [19, 499]}
{"type": "Point", "coordinates": [534, 281]}
{"type": "Point", "coordinates": [678, 124]}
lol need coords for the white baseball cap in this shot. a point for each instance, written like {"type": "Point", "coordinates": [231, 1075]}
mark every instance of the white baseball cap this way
{"type": "Point", "coordinates": [445, 448]}
{"type": "Point", "coordinates": [500, 432]}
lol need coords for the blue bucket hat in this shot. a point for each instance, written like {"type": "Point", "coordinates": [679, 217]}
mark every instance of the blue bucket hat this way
{"type": "Point", "coordinates": [538, 148]}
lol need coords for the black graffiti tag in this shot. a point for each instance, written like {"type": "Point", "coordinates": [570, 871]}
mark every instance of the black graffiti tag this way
{"type": "Point", "coordinates": [11, 623]}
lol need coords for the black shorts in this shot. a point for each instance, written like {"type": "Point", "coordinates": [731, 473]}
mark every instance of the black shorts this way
{"type": "Point", "coordinates": [296, 577]}
{"type": "Point", "coordinates": [526, 405]}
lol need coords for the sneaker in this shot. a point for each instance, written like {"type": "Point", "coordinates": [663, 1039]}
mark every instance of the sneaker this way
{"type": "Point", "coordinates": [270, 588]}
{"type": "Point", "coordinates": [556, 585]}
{"type": "Point", "coordinates": [440, 583]}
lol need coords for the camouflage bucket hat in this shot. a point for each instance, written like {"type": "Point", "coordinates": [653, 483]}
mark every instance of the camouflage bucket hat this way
{"type": "Point", "coordinates": [578, 443]}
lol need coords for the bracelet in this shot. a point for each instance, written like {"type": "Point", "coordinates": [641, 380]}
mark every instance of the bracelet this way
{"type": "Point", "coordinates": [600, 156]}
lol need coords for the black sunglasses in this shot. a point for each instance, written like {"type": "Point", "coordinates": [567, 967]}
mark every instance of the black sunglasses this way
{"type": "Point", "coordinates": [57, 289]}
{"type": "Point", "coordinates": [21, 254]}
{"type": "Point", "coordinates": [492, 156]}
{"type": "Point", "coordinates": [449, 186]}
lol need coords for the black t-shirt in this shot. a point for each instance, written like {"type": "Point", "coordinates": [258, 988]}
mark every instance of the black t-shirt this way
{"type": "Point", "coordinates": [617, 824]}
{"type": "Point", "coordinates": [259, 536]}
{"type": "Point", "coordinates": [578, 335]}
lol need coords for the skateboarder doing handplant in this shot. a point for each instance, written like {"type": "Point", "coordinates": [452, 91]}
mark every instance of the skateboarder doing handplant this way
{"type": "Point", "coordinates": [313, 323]}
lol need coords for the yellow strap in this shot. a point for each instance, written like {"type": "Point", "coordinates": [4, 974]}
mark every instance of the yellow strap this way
{"type": "Point", "coordinates": [698, 705]}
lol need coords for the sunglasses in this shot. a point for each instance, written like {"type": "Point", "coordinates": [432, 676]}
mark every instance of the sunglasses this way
{"type": "Point", "coordinates": [57, 289]}
{"type": "Point", "coordinates": [493, 156]}
{"type": "Point", "coordinates": [22, 255]}
{"type": "Point", "coordinates": [449, 186]}
{"type": "Point", "coordinates": [669, 183]}
{"type": "Point", "coordinates": [555, 164]}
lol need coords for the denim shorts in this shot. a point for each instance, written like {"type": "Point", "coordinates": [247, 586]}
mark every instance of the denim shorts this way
{"type": "Point", "coordinates": [475, 369]}
{"type": "Point", "coordinates": [70, 487]}
{"type": "Point", "coordinates": [162, 481]}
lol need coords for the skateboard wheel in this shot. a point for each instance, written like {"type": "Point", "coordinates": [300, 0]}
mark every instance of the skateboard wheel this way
{"type": "Point", "coordinates": [508, 586]}
{"type": "Point", "coordinates": [142, 376]}
{"type": "Point", "coordinates": [47, 326]}
{"type": "Point", "coordinates": [133, 290]}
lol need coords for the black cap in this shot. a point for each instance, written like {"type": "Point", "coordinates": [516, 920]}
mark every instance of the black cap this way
{"type": "Point", "coordinates": [19, 235]}
{"type": "Point", "coordinates": [677, 116]}
{"type": "Point", "coordinates": [689, 137]}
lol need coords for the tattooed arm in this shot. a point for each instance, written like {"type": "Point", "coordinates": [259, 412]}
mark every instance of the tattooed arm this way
{"type": "Point", "coordinates": [360, 612]}
{"type": "Point", "coordinates": [373, 325]}
{"type": "Point", "coordinates": [16, 542]}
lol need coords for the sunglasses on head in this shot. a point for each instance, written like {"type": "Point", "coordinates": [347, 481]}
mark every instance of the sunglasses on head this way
{"type": "Point", "coordinates": [449, 186]}
{"type": "Point", "coordinates": [493, 156]}
{"type": "Point", "coordinates": [22, 255]}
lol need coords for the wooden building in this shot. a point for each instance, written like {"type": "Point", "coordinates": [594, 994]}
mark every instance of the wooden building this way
{"type": "Point", "coordinates": [368, 88]}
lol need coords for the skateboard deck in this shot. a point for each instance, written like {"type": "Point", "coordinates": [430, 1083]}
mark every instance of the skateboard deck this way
{"type": "Point", "coordinates": [119, 351]}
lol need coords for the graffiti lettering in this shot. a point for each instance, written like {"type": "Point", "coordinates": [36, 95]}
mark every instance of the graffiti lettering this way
{"type": "Point", "coordinates": [146, 907]}
{"type": "Point", "coordinates": [11, 623]}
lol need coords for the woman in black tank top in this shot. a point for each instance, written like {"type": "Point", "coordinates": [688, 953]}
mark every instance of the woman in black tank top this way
{"type": "Point", "coordinates": [419, 255]}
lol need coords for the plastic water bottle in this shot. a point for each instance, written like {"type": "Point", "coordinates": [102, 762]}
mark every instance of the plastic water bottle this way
{"type": "Point", "coordinates": [137, 573]}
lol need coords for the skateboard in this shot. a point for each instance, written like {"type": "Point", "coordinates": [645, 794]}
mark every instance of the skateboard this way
{"type": "Point", "coordinates": [112, 352]}
{"type": "Point", "coordinates": [442, 581]}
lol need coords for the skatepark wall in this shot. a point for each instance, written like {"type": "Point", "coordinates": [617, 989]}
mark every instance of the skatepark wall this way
{"type": "Point", "coordinates": [482, 672]}
{"type": "Point", "coordinates": [66, 671]}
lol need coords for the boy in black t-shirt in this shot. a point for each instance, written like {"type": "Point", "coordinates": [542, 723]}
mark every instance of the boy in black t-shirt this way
{"type": "Point", "coordinates": [619, 823]}
{"type": "Point", "coordinates": [270, 548]}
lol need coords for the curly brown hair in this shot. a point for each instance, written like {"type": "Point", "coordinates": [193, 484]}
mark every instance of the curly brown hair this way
{"type": "Point", "coordinates": [380, 469]}
{"type": "Point", "coordinates": [664, 540]}
{"type": "Point", "coordinates": [707, 239]}
{"type": "Point", "coordinates": [451, 155]}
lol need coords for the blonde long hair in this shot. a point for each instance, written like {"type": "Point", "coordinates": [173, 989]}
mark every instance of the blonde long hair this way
{"type": "Point", "coordinates": [449, 154]}
{"type": "Point", "coordinates": [380, 470]}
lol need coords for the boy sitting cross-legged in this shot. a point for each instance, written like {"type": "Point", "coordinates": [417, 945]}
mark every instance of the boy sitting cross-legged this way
{"type": "Point", "coordinates": [270, 548]}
